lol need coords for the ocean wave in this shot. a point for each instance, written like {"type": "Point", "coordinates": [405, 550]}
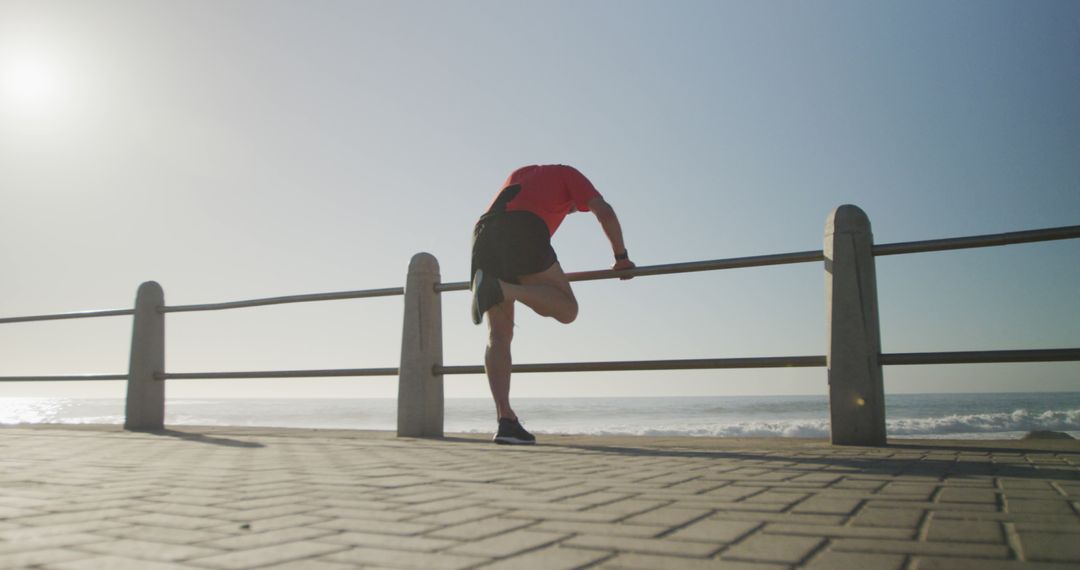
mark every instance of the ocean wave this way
{"type": "Point", "coordinates": [810, 428]}
{"type": "Point", "coordinates": [989, 423]}
{"type": "Point", "coordinates": [986, 419]}
{"type": "Point", "coordinates": [1015, 421]}
{"type": "Point", "coordinates": [971, 425]}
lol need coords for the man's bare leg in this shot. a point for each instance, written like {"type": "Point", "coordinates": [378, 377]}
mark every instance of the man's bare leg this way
{"type": "Point", "coordinates": [548, 293]}
{"type": "Point", "coordinates": [497, 359]}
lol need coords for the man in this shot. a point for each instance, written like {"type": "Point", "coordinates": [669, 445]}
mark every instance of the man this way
{"type": "Point", "coordinates": [512, 260]}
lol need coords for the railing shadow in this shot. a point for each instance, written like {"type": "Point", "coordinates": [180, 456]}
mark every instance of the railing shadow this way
{"type": "Point", "coordinates": [1040, 447]}
{"type": "Point", "coordinates": [203, 438]}
{"type": "Point", "coordinates": [874, 462]}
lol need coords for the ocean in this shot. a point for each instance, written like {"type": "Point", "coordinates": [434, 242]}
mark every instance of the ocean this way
{"type": "Point", "coordinates": [967, 416]}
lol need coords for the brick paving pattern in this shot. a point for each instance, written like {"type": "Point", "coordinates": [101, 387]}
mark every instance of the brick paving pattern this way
{"type": "Point", "coordinates": [95, 497]}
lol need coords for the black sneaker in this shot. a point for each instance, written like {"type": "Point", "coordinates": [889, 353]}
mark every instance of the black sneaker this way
{"type": "Point", "coordinates": [486, 294]}
{"type": "Point", "coordinates": [511, 433]}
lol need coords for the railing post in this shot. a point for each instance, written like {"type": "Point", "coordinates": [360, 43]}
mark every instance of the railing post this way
{"type": "Point", "coordinates": [145, 408]}
{"type": "Point", "coordinates": [856, 391]}
{"type": "Point", "coordinates": [420, 391]}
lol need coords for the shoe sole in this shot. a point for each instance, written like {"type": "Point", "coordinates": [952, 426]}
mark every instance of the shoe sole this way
{"type": "Point", "coordinates": [512, 441]}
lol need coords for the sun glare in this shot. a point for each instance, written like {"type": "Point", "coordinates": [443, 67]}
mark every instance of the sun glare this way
{"type": "Point", "coordinates": [30, 86]}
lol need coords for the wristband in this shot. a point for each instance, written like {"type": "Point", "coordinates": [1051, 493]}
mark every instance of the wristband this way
{"type": "Point", "coordinates": [622, 256]}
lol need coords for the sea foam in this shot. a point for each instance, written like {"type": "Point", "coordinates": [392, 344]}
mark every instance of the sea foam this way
{"type": "Point", "coordinates": [981, 424]}
{"type": "Point", "coordinates": [1015, 421]}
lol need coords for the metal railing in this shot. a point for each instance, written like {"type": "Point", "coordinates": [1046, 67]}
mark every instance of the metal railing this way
{"type": "Point", "coordinates": [856, 397]}
{"type": "Point", "coordinates": [366, 294]}
{"type": "Point", "coordinates": [62, 316]}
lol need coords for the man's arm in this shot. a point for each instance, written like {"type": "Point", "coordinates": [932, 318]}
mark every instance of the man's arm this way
{"type": "Point", "coordinates": [605, 214]}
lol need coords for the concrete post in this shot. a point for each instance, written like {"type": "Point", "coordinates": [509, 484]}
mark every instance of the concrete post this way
{"type": "Point", "coordinates": [420, 391]}
{"type": "Point", "coordinates": [145, 408]}
{"type": "Point", "coordinates": [856, 391]}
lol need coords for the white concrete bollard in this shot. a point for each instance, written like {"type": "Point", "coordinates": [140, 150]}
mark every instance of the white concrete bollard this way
{"type": "Point", "coordinates": [145, 407]}
{"type": "Point", "coordinates": [420, 391]}
{"type": "Point", "coordinates": [856, 390]}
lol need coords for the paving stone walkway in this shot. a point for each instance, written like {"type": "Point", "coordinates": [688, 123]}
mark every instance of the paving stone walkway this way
{"type": "Point", "coordinates": [95, 497]}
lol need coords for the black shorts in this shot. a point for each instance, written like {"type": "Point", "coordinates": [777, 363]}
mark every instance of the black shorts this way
{"type": "Point", "coordinates": [511, 244]}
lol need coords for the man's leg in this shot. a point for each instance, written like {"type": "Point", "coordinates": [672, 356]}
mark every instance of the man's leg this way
{"type": "Point", "coordinates": [548, 293]}
{"type": "Point", "coordinates": [497, 358]}
{"type": "Point", "coordinates": [497, 366]}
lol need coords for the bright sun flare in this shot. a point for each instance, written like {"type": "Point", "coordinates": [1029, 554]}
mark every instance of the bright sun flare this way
{"type": "Point", "coordinates": [29, 86]}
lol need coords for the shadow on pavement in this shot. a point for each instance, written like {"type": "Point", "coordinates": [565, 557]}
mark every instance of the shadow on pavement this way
{"type": "Point", "coordinates": [1041, 447]}
{"type": "Point", "coordinates": [203, 438]}
{"type": "Point", "coordinates": [814, 460]}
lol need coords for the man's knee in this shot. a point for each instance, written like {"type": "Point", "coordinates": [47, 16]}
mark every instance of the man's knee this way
{"type": "Point", "coordinates": [500, 336]}
{"type": "Point", "coordinates": [569, 314]}
{"type": "Point", "coordinates": [500, 328]}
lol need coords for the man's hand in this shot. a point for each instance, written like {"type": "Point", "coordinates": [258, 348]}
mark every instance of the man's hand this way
{"type": "Point", "coordinates": [624, 264]}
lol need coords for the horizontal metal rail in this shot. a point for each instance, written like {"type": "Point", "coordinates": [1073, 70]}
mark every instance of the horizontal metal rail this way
{"type": "Point", "coordinates": [968, 357]}
{"type": "Point", "coordinates": [368, 293]}
{"type": "Point", "coordinates": [78, 315]}
{"type": "Point", "coordinates": [64, 378]}
{"type": "Point", "coordinates": [982, 357]}
{"type": "Point", "coordinates": [278, 374]}
{"type": "Point", "coordinates": [893, 359]}
{"type": "Point", "coordinates": [688, 267]}
{"type": "Point", "coordinates": [627, 365]}
{"type": "Point", "coordinates": [989, 240]}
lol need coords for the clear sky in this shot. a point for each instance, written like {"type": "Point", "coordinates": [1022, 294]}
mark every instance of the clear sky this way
{"type": "Point", "coordinates": [245, 149]}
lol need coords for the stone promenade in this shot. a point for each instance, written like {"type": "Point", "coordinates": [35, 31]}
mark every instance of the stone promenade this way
{"type": "Point", "coordinates": [76, 498]}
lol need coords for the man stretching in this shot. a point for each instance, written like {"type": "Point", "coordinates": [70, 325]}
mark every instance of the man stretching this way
{"type": "Point", "coordinates": [512, 260]}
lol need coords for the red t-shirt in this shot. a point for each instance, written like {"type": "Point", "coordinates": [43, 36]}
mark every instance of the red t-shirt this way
{"type": "Point", "coordinates": [549, 191]}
